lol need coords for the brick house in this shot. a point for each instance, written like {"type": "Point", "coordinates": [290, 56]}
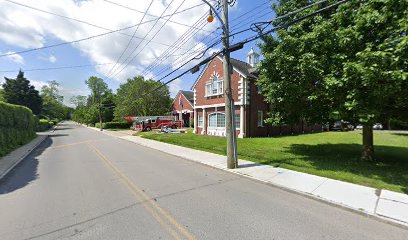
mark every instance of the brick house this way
{"type": "Point", "coordinates": [182, 107]}
{"type": "Point", "coordinates": [209, 103]}
{"type": "Point", "coordinates": [250, 106]}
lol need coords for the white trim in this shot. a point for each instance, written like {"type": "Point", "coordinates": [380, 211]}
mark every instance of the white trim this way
{"type": "Point", "coordinates": [215, 105]}
{"type": "Point", "coordinates": [206, 66]}
{"type": "Point", "coordinates": [183, 111]}
{"type": "Point", "coordinates": [195, 121]}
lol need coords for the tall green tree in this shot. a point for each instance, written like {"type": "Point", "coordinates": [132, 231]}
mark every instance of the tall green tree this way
{"type": "Point", "coordinates": [134, 98]}
{"type": "Point", "coordinates": [98, 89]}
{"type": "Point", "coordinates": [351, 62]}
{"type": "Point", "coordinates": [19, 91]}
{"type": "Point", "coordinates": [53, 106]}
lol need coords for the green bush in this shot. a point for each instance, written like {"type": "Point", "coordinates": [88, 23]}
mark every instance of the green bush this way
{"type": "Point", "coordinates": [17, 126]}
{"type": "Point", "coordinates": [121, 125]}
{"type": "Point", "coordinates": [43, 125]}
{"type": "Point", "coordinates": [110, 125]}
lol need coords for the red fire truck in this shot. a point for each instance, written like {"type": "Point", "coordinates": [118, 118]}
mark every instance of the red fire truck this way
{"type": "Point", "coordinates": [147, 123]}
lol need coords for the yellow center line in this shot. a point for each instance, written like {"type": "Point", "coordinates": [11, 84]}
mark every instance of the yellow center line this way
{"type": "Point", "coordinates": [141, 195]}
{"type": "Point", "coordinates": [77, 143]}
{"type": "Point", "coordinates": [69, 144]}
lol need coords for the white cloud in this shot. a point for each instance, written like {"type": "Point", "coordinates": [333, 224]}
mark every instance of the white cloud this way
{"type": "Point", "coordinates": [52, 59]}
{"type": "Point", "coordinates": [174, 87]}
{"type": "Point", "coordinates": [38, 84]}
{"type": "Point", "coordinates": [27, 28]}
{"type": "Point", "coordinates": [17, 58]}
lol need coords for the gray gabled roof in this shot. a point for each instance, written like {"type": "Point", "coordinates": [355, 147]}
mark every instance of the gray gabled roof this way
{"type": "Point", "coordinates": [243, 67]}
{"type": "Point", "coordinates": [189, 95]}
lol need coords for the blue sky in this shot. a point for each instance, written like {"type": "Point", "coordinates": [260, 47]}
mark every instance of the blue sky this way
{"type": "Point", "coordinates": [22, 28]}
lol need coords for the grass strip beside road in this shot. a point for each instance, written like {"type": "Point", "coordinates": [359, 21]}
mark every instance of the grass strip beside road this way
{"type": "Point", "coordinates": [334, 155]}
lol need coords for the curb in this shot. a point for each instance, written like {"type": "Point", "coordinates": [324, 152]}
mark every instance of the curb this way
{"type": "Point", "coordinates": [374, 216]}
{"type": "Point", "coordinates": [391, 221]}
{"type": "Point", "coordinates": [22, 158]}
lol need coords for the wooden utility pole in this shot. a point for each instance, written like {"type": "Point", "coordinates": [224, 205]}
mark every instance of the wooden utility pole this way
{"type": "Point", "coordinates": [229, 100]}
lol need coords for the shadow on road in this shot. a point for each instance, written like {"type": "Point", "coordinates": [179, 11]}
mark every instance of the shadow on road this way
{"type": "Point", "coordinates": [25, 172]}
{"type": "Point", "coordinates": [391, 163]}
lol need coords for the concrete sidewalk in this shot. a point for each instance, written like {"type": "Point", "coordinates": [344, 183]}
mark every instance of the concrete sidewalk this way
{"type": "Point", "coordinates": [384, 204]}
{"type": "Point", "coordinates": [8, 162]}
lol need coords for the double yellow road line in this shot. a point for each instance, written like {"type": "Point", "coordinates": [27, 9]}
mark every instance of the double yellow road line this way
{"type": "Point", "coordinates": [176, 230]}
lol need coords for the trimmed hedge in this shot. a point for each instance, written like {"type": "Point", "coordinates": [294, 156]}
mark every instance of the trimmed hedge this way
{"type": "Point", "coordinates": [17, 127]}
{"type": "Point", "coordinates": [43, 125]}
{"type": "Point", "coordinates": [108, 125]}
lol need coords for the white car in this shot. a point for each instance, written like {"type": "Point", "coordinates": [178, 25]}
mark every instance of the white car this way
{"type": "Point", "coordinates": [378, 126]}
{"type": "Point", "coordinates": [359, 126]}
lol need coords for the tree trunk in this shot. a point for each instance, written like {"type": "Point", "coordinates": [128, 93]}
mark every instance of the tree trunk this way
{"type": "Point", "coordinates": [368, 143]}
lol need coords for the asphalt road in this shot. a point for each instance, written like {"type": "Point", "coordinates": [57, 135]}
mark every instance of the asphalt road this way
{"type": "Point", "coordinates": [83, 184]}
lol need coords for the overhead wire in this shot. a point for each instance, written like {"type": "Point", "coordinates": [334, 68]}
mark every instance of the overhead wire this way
{"type": "Point", "coordinates": [181, 40]}
{"type": "Point", "coordinates": [100, 35]}
{"type": "Point", "coordinates": [130, 40]}
{"type": "Point", "coordinates": [56, 68]}
{"type": "Point", "coordinates": [148, 14]}
{"type": "Point", "coordinates": [214, 39]}
{"type": "Point", "coordinates": [253, 38]}
{"type": "Point", "coordinates": [131, 60]}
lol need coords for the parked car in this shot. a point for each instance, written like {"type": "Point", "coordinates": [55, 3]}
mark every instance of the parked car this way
{"type": "Point", "coordinates": [341, 126]}
{"type": "Point", "coordinates": [359, 126]}
{"type": "Point", "coordinates": [378, 126]}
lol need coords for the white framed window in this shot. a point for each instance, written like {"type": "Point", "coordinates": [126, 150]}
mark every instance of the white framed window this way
{"type": "Point", "coordinates": [216, 120]}
{"type": "Point", "coordinates": [153, 120]}
{"type": "Point", "coordinates": [237, 119]}
{"type": "Point", "coordinates": [214, 87]}
{"type": "Point", "coordinates": [260, 119]}
{"type": "Point", "coordinates": [200, 121]}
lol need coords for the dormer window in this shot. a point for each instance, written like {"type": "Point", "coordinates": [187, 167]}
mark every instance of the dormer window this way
{"type": "Point", "coordinates": [214, 87]}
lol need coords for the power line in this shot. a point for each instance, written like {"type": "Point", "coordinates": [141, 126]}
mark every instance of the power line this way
{"type": "Point", "coordinates": [56, 68]}
{"type": "Point", "coordinates": [183, 57]}
{"type": "Point", "coordinates": [182, 39]}
{"type": "Point", "coordinates": [130, 40]}
{"type": "Point", "coordinates": [256, 37]}
{"type": "Point", "coordinates": [136, 10]}
{"type": "Point", "coordinates": [131, 60]}
{"type": "Point", "coordinates": [100, 35]}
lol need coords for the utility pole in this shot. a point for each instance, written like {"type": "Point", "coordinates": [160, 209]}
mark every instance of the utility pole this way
{"type": "Point", "coordinates": [229, 100]}
{"type": "Point", "coordinates": [232, 156]}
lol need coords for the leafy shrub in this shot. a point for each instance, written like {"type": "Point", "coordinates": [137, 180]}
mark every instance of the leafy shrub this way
{"type": "Point", "coordinates": [122, 125]}
{"type": "Point", "coordinates": [17, 126]}
{"type": "Point", "coordinates": [98, 125]}
{"type": "Point", "coordinates": [43, 125]}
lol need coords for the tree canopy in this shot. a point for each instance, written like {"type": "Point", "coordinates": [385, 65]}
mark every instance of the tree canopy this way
{"type": "Point", "coordinates": [19, 91]}
{"type": "Point", "coordinates": [53, 107]}
{"type": "Point", "coordinates": [350, 62]}
{"type": "Point", "coordinates": [134, 98]}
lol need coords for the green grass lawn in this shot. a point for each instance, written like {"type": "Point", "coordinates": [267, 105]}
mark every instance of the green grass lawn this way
{"type": "Point", "coordinates": [330, 154]}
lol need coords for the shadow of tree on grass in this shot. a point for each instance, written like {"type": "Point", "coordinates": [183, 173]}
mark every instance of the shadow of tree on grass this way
{"type": "Point", "coordinates": [391, 165]}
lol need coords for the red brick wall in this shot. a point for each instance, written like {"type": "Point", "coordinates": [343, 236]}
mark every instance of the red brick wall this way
{"type": "Point", "coordinates": [177, 107]}
{"type": "Point", "coordinates": [256, 103]}
{"type": "Point", "coordinates": [217, 66]}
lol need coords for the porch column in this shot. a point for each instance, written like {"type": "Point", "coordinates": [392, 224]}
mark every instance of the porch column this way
{"type": "Point", "coordinates": [195, 121]}
{"type": "Point", "coordinates": [181, 116]}
{"type": "Point", "coordinates": [241, 122]}
{"type": "Point", "coordinates": [204, 123]}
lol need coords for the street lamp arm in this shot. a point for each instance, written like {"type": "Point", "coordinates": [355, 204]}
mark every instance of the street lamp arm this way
{"type": "Point", "coordinates": [216, 15]}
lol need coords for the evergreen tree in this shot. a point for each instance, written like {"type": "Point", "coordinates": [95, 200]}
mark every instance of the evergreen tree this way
{"type": "Point", "coordinates": [19, 91]}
